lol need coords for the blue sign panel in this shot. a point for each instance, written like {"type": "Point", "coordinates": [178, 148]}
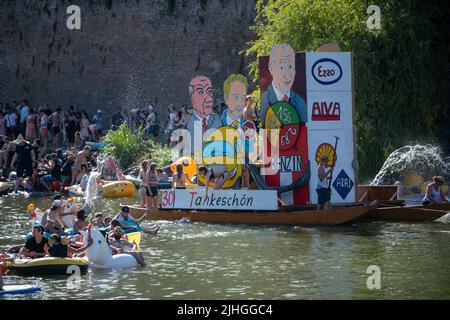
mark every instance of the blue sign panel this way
{"type": "Point", "coordinates": [343, 184]}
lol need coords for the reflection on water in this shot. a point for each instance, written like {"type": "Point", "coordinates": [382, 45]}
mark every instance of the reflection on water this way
{"type": "Point", "coordinates": [204, 261]}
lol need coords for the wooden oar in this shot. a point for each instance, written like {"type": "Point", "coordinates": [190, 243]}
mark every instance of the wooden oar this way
{"type": "Point", "coordinates": [334, 162]}
{"type": "Point", "coordinates": [142, 218]}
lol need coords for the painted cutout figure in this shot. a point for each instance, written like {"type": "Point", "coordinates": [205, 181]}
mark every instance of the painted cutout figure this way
{"type": "Point", "coordinates": [282, 70]}
{"type": "Point", "coordinates": [203, 117]}
{"type": "Point", "coordinates": [235, 91]}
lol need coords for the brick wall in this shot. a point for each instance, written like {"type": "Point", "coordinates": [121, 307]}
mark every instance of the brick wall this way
{"type": "Point", "coordinates": [128, 53]}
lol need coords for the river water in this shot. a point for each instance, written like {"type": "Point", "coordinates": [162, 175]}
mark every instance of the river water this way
{"type": "Point", "coordinates": [205, 261]}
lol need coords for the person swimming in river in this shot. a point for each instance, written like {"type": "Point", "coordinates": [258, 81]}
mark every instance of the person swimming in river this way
{"type": "Point", "coordinates": [434, 193]}
{"type": "Point", "coordinates": [216, 172]}
{"type": "Point", "coordinates": [179, 179]}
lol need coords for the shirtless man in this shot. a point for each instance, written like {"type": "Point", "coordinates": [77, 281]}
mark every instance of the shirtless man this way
{"type": "Point", "coordinates": [80, 159]}
{"type": "Point", "coordinates": [55, 118]}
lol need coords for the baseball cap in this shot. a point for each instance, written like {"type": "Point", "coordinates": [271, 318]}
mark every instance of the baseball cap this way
{"type": "Point", "coordinates": [57, 204]}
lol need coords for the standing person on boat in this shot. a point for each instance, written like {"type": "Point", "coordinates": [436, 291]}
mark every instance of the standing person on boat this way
{"type": "Point", "coordinates": [34, 247]}
{"type": "Point", "coordinates": [153, 181]}
{"type": "Point", "coordinates": [323, 191]}
{"type": "Point", "coordinates": [179, 179]}
{"type": "Point", "coordinates": [216, 172]}
{"type": "Point", "coordinates": [434, 193]}
{"type": "Point", "coordinates": [144, 190]}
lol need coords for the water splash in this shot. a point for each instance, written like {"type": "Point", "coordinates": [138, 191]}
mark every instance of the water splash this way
{"type": "Point", "coordinates": [92, 188]}
{"type": "Point", "coordinates": [424, 160]}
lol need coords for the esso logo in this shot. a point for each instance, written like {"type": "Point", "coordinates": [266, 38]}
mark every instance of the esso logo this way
{"type": "Point", "coordinates": [326, 71]}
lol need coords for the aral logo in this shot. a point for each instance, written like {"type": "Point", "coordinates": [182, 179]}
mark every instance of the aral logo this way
{"type": "Point", "coordinates": [326, 71]}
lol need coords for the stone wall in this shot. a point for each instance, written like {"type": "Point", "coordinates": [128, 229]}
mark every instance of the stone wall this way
{"type": "Point", "coordinates": [128, 53]}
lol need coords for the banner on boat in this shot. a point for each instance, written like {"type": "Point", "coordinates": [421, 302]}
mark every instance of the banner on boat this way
{"type": "Point", "coordinates": [219, 200]}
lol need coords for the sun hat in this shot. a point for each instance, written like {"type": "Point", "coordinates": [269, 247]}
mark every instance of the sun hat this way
{"type": "Point", "coordinates": [57, 204]}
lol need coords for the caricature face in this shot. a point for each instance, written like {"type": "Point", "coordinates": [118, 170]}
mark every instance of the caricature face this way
{"type": "Point", "coordinates": [202, 97]}
{"type": "Point", "coordinates": [282, 68]}
{"type": "Point", "coordinates": [236, 99]}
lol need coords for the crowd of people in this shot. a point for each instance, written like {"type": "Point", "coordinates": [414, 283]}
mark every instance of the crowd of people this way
{"type": "Point", "coordinates": [44, 146]}
{"type": "Point", "coordinates": [50, 237]}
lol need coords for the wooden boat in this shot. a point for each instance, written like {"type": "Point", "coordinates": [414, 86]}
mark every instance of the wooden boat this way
{"type": "Point", "coordinates": [409, 213]}
{"type": "Point", "coordinates": [385, 195]}
{"type": "Point", "coordinates": [330, 217]}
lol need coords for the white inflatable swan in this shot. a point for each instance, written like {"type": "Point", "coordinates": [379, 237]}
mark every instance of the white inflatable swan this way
{"type": "Point", "coordinates": [99, 252]}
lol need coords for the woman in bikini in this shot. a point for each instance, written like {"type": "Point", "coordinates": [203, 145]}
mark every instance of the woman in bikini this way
{"type": "Point", "coordinates": [179, 179]}
{"type": "Point", "coordinates": [153, 181]}
{"type": "Point", "coordinates": [143, 188]}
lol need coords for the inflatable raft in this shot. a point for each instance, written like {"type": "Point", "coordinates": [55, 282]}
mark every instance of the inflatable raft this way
{"type": "Point", "coordinates": [5, 187]}
{"type": "Point", "coordinates": [48, 266]}
{"type": "Point", "coordinates": [19, 289]}
{"type": "Point", "coordinates": [76, 191]}
{"type": "Point", "coordinates": [118, 189]}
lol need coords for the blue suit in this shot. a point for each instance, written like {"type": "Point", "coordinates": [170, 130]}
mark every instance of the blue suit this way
{"type": "Point", "coordinates": [269, 97]}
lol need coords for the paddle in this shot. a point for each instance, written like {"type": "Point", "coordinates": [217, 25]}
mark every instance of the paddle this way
{"type": "Point", "coordinates": [334, 163]}
{"type": "Point", "coordinates": [142, 218]}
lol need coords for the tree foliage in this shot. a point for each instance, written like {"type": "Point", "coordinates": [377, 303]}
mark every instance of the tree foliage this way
{"type": "Point", "coordinates": [129, 147]}
{"type": "Point", "coordinates": [399, 69]}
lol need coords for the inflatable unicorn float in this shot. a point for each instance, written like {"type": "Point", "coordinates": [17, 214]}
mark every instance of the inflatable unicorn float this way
{"type": "Point", "coordinates": [100, 255]}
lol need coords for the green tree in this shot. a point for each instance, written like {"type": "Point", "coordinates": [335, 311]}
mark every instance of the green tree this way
{"type": "Point", "coordinates": [398, 69]}
{"type": "Point", "coordinates": [129, 147]}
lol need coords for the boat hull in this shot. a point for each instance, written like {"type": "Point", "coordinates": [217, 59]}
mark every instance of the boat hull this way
{"type": "Point", "coordinates": [309, 217]}
{"type": "Point", "coordinates": [409, 213]}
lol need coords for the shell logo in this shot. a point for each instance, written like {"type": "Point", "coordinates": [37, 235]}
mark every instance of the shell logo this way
{"type": "Point", "coordinates": [224, 146]}
{"type": "Point", "coordinates": [328, 150]}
